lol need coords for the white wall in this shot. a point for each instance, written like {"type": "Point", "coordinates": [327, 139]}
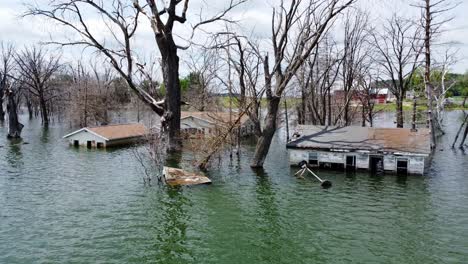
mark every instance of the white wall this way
{"type": "Point", "coordinates": [415, 164]}
{"type": "Point", "coordinates": [85, 136]}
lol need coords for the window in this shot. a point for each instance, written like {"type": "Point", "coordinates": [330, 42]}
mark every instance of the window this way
{"type": "Point", "coordinates": [350, 162]}
{"type": "Point", "coordinates": [313, 158]}
{"type": "Point", "coordinates": [402, 166]}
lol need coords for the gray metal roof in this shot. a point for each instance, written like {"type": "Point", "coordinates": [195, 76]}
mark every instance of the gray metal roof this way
{"type": "Point", "coordinates": [352, 138]}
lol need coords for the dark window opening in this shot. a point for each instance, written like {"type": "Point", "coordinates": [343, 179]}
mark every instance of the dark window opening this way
{"type": "Point", "coordinates": [89, 144]}
{"type": "Point", "coordinates": [332, 166]}
{"type": "Point", "coordinates": [350, 162]}
{"type": "Point", "coordinates": [76, 143]}
{"type": "Point", "coordinates": [313, 159]}
{"type": "Point", "coordinates": [100, 145]}
{"type": "Point", "coordinates": [376, 164]}
{"type": "Point", "coordinates": [402, 166]}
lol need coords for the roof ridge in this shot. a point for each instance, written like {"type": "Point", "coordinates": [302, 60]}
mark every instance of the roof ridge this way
{"type": "Point", "coordinates": [126, 124]}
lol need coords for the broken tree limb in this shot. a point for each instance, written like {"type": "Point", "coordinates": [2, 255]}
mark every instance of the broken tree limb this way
{"type": "Point", "coordinates": [459, 131]}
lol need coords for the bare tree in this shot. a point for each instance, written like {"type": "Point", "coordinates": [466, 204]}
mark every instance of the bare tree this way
{"type": "Point", "coordinates": [9, 91]}
{"type": "Point", "coordinates": [315, 80]}
{"type": "Point", "coordinates": [36, 69]}
{"type": "Point", "coordinates": [399, 47]}
{"type": "Point", "coordinates": [432, 20]}
{"type": "Point", "coordinates": [10, 103]}
{"type": "Point", "coordinates": [203, 67]}
{"type": "Point", "coordinates": [122, 20]}
{"type": "Point", "coordinates": [354, 54]}
{"type": "Point", "coordinates": [442, 86]}
{"type": "Point", "coordinates": [6, 67]}
{"type": "Point", "coordinates": [297, 28]}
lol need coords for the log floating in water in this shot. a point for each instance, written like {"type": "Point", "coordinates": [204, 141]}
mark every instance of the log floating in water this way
{"type": "Point", "coordinates": [176, 177]}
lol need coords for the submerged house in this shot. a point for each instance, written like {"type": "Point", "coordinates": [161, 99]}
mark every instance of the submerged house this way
{"type": "Point", "coordinates": [209, 123]}
{"type": "Point", "coordinates": [106, 136]}
{"type": "Point", "coordinates": [399, 150]}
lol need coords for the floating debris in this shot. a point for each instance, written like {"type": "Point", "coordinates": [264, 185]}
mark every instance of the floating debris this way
{"type": "Point", "coordinates": [175, 177]}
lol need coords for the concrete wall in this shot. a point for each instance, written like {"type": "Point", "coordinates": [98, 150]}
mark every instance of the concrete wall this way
{"type": "Point", "coordinates": [84, 136]}
{"type": "Point", "coordinates": [416, 164]}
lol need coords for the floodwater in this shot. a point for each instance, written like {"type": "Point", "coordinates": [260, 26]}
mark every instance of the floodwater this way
{"type": "Point", "coordinates": [65, 205]}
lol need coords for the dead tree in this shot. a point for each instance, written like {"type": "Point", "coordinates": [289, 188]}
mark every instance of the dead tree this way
{"type": "Point", "coordinates": [6, 68]}
{"type": "Point", "coordinates": [354, 52]}
{"type": "Point", "coordinates": [315, 80]}
{"type": "Point", "coordinates": [10, 105]}
{"type": "Point", "coordinates": [367, 90]}
{"type": "Point", "coordinates": [465, 122]}
{"type": "Point", "coordinates": [297, 28]}
{"type": "Point", "coordinates": [36, 69]}
{"type": "Point", "coordinates": [398, 46]}
{"type": "Point", "coordinates": [432, 19]}
{"type": "Point", "coordinates": [122, 20]}
{"type": "Point", "coordinates": [203, 67]}
{"type": "Point", "coordinates": [9, 92]}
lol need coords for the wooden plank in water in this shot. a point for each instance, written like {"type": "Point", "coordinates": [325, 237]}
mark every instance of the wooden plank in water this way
{"type": "Point", "coordinates": [176, 176]}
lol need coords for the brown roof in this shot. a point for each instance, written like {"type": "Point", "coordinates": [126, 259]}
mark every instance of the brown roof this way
{"type": "Point", "coordinates": [363, 138]}
{"type": "Point", "coordinates": [215, 117]}
{"type": "Point", "coordinates": [120, 131]}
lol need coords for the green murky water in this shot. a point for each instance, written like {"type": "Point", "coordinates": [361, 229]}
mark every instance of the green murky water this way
{"type": "Point", "coordinates": [63, 205]}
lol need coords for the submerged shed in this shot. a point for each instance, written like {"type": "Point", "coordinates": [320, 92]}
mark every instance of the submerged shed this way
{"type": "Point", "coordinates": [208, 123]}
{"type": "Point", "coordinates": [106, 136]}
{"type": "Point", "coordinates": [390, 149]}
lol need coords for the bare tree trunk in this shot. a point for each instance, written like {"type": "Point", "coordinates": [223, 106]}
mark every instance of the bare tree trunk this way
{"type": "Point", "coordinates": [464, 136]}
{"type": "Point", "coordinates": [363, 116]}
{"type": "Point", "coordinates": [30, 108]}
{"type": "Point", "coordinates": [170, 68]}
{"type": "Point", "coordinates": [264, 142]}
{"type": "Point", "coordinates": [44, 114]}
{"type": "Point", "coordinates": [413, 123]}
{"type": "Point", "coordinates": [286, 119]}
{"type": "Point", "coordinates": [427, 72]}
{"type": "Point", "coordinates": [459, 130]}
{"type": "Point", "coordinates": [399, 111]}
{"type": "Point", "coordinates": [2, 113]}
{"type": "Point", "coordinates": [14, 126]}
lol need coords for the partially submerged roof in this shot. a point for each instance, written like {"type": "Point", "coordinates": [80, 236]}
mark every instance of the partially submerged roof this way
{"type": "Point", "coordinates": [114, 132]}
{"type": "Point", "coordinates": [215, 117]}
{"type": "Point", "coordinates": [352, 138]}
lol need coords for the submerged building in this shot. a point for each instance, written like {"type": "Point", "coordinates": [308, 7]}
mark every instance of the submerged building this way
{"type": "Point", "coordinates": [195, 124]}
{"type": "Point", "coordinates": [106, 136]}
{"type": "Point", "coordinates": [398, 150]}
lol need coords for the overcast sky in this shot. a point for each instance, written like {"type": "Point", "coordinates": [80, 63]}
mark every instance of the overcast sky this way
{"type": "Point", "coordinates": [256, 17]}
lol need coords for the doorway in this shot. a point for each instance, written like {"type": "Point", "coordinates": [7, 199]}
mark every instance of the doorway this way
{"type": "Point", "coordinates": [402, 166]}
{"type": "Point", "coordinates": [76, 143]}
{"type": "Point", "coordinates": [376, 164]}
{"type": "Point", "coordinates": [350, 162]}
{"type": "Point", "coordinates": [89, 144]}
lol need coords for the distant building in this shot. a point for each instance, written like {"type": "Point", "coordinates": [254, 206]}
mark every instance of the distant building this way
{"type": "Point", "coordinates": [106, 136]}
{"type": "Point", "coordinates": [387, 149]}
{"type": "Point", "coordinates": [209, 123]}
{"type": "Point", "coordinates": [382, 96]}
